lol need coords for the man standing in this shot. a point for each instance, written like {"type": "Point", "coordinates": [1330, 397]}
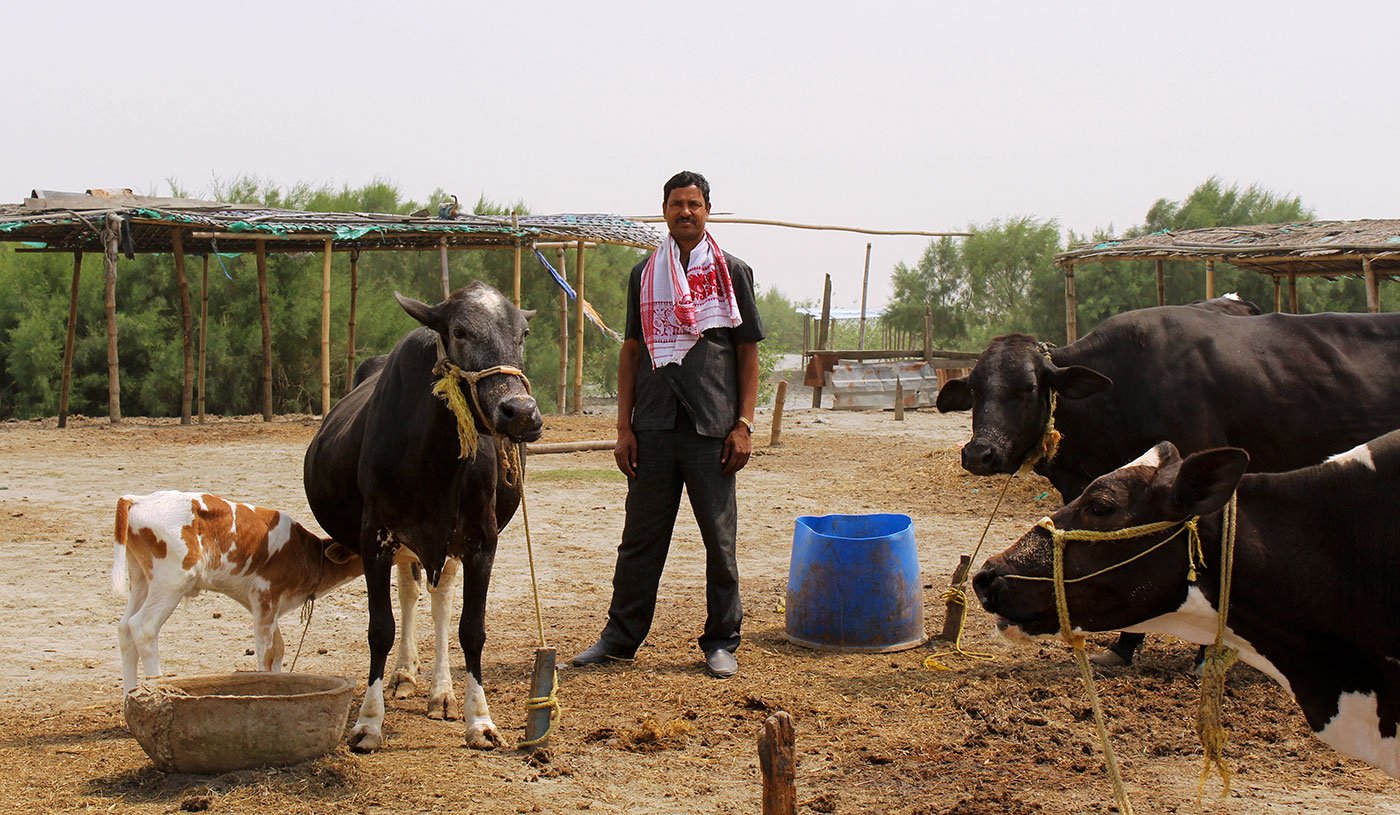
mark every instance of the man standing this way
{"type": "Point", "coordinates": [687, 381]}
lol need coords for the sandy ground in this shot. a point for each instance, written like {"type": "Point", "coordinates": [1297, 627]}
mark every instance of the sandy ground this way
{"type": "Point", "coordinates": [875, 733]}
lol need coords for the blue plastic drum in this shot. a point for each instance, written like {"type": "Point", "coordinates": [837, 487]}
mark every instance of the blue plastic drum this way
{"type": "Point", "coordinates": [854, 585]}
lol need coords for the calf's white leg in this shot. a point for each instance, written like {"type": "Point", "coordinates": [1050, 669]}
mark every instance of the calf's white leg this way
{"type": "Point", "coordinates": [126, 640]}
{"type": "Point", "coordinates": [404, 680]}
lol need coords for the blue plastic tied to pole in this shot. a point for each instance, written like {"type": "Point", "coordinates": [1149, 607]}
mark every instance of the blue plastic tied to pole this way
{"type": "Point", "coordinates": [854, 584]}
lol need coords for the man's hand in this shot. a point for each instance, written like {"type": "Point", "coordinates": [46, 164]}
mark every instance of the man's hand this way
{"type": "Point", "coordinates": [738, 446]}
{"type": "Point", "coordinates": [626, 453]}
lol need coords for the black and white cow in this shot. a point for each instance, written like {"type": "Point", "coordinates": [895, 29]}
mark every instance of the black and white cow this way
{"type": "Point", "coordinates": [1290, 389]}
{"type": "Point", "coordinates": [1315, 583]}
{"type": "Point", "coordinates": [384, 472]}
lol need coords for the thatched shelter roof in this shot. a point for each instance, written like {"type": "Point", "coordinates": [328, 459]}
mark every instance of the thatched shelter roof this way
{"type": "Point", "coordinates": [1311, 248]}
{"type": "Point", "coordinates": [72, 222]}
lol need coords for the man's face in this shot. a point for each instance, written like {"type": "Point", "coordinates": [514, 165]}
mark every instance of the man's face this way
{"type": "Point", "coordinates": [686, 214]}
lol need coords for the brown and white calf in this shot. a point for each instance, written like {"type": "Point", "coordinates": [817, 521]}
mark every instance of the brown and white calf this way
{"type": "Point", "coordinates": [173, 545]}
{"type": "Point", "coordinates": [1314, 589]}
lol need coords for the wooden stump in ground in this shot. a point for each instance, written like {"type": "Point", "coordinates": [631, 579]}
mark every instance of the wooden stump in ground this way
{"type": "Point", "coordinates": [777, 760]}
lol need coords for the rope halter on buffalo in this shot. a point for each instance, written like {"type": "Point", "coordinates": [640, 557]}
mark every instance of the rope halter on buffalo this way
{"type": "Point", "coordinates": [1219, 658]}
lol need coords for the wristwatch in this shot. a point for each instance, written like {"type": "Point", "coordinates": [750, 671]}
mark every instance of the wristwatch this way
{"type": "Point", "coordinates": [747, 423]}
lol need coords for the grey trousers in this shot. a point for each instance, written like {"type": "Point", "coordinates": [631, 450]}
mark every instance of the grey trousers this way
{"type": "Point", "coordinates": [666, 461]}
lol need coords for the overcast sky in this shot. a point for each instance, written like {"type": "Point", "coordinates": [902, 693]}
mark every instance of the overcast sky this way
{"type": "Point", "coordinates": [890, 115]}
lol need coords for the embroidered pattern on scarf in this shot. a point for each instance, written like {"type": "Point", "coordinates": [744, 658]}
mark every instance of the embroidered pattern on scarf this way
{"type": "Point", "coordinates": [678, 306]}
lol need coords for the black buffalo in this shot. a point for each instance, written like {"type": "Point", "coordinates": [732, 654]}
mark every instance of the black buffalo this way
{"type": "Point", "coordinates": [385, 471]}
{"type": "Point", "coordinates": [1312, 598]}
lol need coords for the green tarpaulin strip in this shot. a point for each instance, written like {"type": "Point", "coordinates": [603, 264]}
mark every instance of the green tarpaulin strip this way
{"type": "Point", "coordinates": [34, 244]}
{"type": "Point", "coordinates": [11, 226]}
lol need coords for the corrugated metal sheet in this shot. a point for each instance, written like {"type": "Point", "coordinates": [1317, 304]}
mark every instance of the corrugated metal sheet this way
{"type": "Point", "coordinates": [866, 385]}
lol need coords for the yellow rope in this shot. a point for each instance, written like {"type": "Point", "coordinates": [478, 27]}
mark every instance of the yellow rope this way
{"type": "Point", "coordinates": [449, 390]}
{"type": "Point", "coordinates": [1210, 719]}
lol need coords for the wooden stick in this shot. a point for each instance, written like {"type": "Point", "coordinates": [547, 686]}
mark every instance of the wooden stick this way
{"type": "Point", "coordinates": [898, 399]}
{"type": "Point", "coordinates": [111, 232]}
{"type": "Point", "coordinates": [442, 252]}
{"type": "Point", "coordinates": [1292, 293]}
{"type": "Point", "coordinates": [1161, 285]}
{"type": "Point", "coordinates": [777, 760]}
{"type": "Point", "coordinates": [515, 224]}
{"type": "Point", "coordinates": [1210, 279]}
{"type": "Point", "coordinates": [928, 334]}
{"type": "Point", "coordinates": [578, 329]}
{"type": "Point", "coordinates": [177, 243]}
{"type": "Point", "coordinates": [864, 288]}
{"type": "Point", "coordinates": [778, 413]}
{"type": "Point", "coordinates": [541, 686]}
{"type": "Point", "coordinates": [260, 249]}
{"type": "Point", "coordinates": [653, 219]}
{"type": "Point", "coordinates": [1278, 294]}
{"type": "Point", "coordinates": [563, 401]}
{"type": "Point", "coordinates": [823, 336]}
{"type": "Point", "coordinates": [956, 611]}
{"type": "Point", "coordinates": [1373, 288]}
{"type": "Point", "coordinates": [203, 329]}
{"type": "Point", "coordinates": [326, 330]}
{"type": "Point", "coordinates": [350, 328]}
{"type": "Point", "coordinates": [1071, 317]}
{"type": "Point", "coordinates": [536, 449]}
{"type": "Point", "coordinates": [68, 343]}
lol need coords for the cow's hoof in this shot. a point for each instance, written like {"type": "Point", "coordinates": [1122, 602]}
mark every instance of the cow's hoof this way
{"type": "Point", "coordinates": [403, 685]}
{"type": "Point", "coordinates": [1108, 659]}
{"type": "Point", "coordinates": [444, 706]}
{"type": "Point", "coordinates": [483, 736]}
{"type": "Point", "coordinates": [365, 738]}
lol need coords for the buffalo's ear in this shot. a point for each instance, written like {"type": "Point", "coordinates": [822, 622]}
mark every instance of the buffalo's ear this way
{"type": "Point", "coordinates": [336, 553]}
{"type": "Point", "coordinates": [422, 312]}
{"type": "Point", "coordinates": [1206, 480]}
{"type": "Point", "coordinates": [955, 394]}
{"type": "Point", "coordinates": [1076, 381]}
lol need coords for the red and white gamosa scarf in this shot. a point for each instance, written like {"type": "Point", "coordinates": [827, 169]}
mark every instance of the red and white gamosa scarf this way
{"type": "Point", "coordinates": [680, 305]}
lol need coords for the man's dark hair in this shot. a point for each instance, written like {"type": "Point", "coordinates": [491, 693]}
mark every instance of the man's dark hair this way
{"type": "Point", "coordinates": [686, 178]}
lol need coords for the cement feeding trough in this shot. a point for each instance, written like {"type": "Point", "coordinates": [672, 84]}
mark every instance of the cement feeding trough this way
{"type": "Point", "coordinates": [217, 723]}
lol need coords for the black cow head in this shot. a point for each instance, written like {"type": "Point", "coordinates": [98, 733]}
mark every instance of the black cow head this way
{"type": "Point", "coordinates": [1158, 486]}
{"type": "Point", "coordinates": [481, 329]}
{"type": "Point", "coordinates": [1008, 393]}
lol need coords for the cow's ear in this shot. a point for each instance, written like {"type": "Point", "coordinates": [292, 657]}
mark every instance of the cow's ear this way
{"type": "Point", "coordinates": [955, 394]}
{"type": "Point", "coordinates": [338, 554]}
{"type": "Point", "coordinates": [1207, 479]}
{"type": "Point", "coordinates": [422, 312]}
{"type": "Point", "coordinates": [1076, 381]}
{"type": "Point", "coordinates": [529, 313]}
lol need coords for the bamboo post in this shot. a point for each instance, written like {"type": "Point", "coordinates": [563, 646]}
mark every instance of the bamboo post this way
{"type": "Point", "coordinates": [177, 242]}
{"type": "Point", "coordinates": [578, 332]}
{"type": "Point", "coordinates": [563, 337]}
{"type": "Point", "coordinates": [203, 329]}
{"type": "Point", "coordinates": [1161, 285]}
{"type": "Point", "coordinates": [1071, 318]}
{"type": "Point", "coordinates": [442, 256]}
{"type": "Point", "coordinates": [111, 232]}
{"type": "Point", "coordinates": [778, 402]}
{"type": "Point", "coordinates": [777, 761]}
{"type": "Point", "coordinates": [1373, 288]}
{"type": "Point", "coordinates": [350, 326]}
{"type": "Point", "coordinates": [928, 334]}
{"type": "Point", "coordinates": [541, 687]}
{"type": "Point", "coordinates": [68, 342]}
{"type": "Point", "coordinates": [260, 250]}
{"type": "Point", "coordinates": [957, 609]}
{"type": "Point", "coordinates": [326, 330]}
{"type": "Point", "coordinates": [1210, 279]}
{"type": "Point", "coordinates": [539, 449]}
{"type": "Point", "coordinates": [1278, 294]}
{"type": "Point", "coordinates": [822, 337]}
{"type": "Point", "coordinates": [898, 399]}
{"type": "Point", "coordinates": [864, 288]}
{"type": "Point", "coordinates": [806, 334]}
{"type": "Point", "coordinates": [515, 224]}
{"type": "Point", "coordinates": [1292, 293]}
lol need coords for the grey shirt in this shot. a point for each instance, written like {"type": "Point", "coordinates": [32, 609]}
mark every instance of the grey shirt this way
{"type": "Point", "coordinates": [705, 383]}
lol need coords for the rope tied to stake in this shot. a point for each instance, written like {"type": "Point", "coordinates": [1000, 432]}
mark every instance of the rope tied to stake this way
{"type": "Point", "coordinates": [551, 701]}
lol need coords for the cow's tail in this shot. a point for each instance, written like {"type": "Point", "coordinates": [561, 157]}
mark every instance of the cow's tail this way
{"type": "Point", "coordinates": [119, 546]}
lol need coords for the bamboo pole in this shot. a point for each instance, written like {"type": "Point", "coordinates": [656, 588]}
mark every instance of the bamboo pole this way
{"type": "Point", "coordinates": [1373, 288]}
{"type": "Point", "coordinates": [778, 402]}
{"type": "Point", "coordinates": [563, 401]}
{"type": "Point", "coordinates": [203, 329]}
{"type": "Point", "coordinates": [350, 326]}
{"type": "Point", "coordinates": [1278, 294]}
{"type": "Point", "coordinates": [578, 329]}
{"type": "Point", "coordinates": [1071, 309]}
{"type": "Point", "coordinates": [928, 334]}
{"type": "Point", "coordinates": [68, 342]}
{"type": "Point", "coordinates": [537, 449]}
{"type": "Point", "coordinates": [177, 243]}
{"type": "Point", "coordinates": [864, 289]}
{"type": "Point", "coordinates": [326, 330]}
{"type": "Point", "coordinates": [777, 761]}
{"type": "Point", "coordinates": [1161, 285]}
{"type": "Point", "coordinates": [260, 249]}
{"type": "Point", "coordinates": [111, 232]}
{"type": "Point", "coordinates": [823, 336]}
{"type": "Point", "coordinates": [722, 219]}
{"type": "Point", "coordinates": [1292, 293]}
{"type": "Point", "coordinates": [1210, 279]}
{"type": "Point", "coordinates": [446, 281]}
{"type": "Point", "coordinates": [515, 224]}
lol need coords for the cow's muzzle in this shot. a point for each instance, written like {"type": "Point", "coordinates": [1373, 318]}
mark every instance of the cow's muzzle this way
{"type": "Point", "coordinates": [982, 457]}
{"type": "Point", "coordinates": [518, 417]}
